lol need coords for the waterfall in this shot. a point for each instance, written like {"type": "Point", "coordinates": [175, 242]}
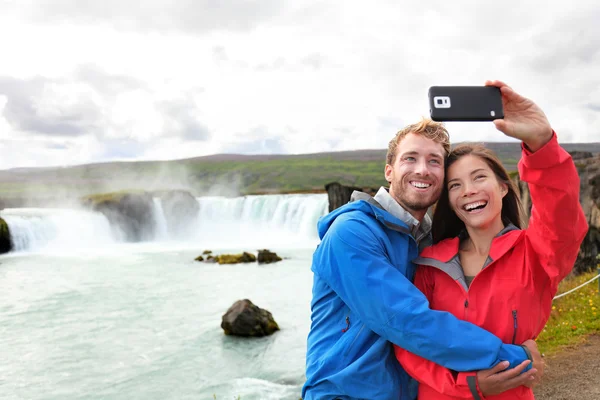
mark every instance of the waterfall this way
{"type": "Point", "coordinates": [277, 220]}
{"type": "Point", "coordinates": [34, 229]}
{"type": "Point", "coordinates": [255, 221]}
{"type": "Point", "coordinates": [161, 230]}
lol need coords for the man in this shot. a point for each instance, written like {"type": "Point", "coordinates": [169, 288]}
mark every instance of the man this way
{"type": "Point", "coordinates": [363, 297]}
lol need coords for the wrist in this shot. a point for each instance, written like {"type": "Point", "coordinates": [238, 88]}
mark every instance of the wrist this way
{"type": "Point", "coordinates": [534, 144]}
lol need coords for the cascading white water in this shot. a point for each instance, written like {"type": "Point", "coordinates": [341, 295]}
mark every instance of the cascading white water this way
{"type": "Point", "coordinates": [34, 229]}
{"type": "Point", "coordinates": [256, 221]}
{"type": "Point", "coordinates": [161, 230]}
{"type": "Point", "coordinates": [281, 220]}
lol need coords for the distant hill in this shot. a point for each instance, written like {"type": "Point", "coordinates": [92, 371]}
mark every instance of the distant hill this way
{"type": "Point", "coordinates": [223, 174]}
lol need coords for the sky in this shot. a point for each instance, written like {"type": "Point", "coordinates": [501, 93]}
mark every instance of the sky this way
{"type": "Point", "coordinates": [94, 81]}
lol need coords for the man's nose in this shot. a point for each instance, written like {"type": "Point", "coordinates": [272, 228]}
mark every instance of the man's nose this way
{"type": "Point", "coordinates": [422, 168]}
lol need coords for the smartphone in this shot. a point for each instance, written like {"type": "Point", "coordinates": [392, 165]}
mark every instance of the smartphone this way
{"type": "Point", "coordinates": [465, 103]}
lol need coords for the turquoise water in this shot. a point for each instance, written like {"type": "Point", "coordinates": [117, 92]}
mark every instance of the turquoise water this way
{"type": "Point", "coordinates": [86, 316]}
{"type": "Point", "coordinates": [143, 323]}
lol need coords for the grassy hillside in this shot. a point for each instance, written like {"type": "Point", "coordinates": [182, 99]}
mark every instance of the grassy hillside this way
{"type": "Point", "coordinates": [224, 174]}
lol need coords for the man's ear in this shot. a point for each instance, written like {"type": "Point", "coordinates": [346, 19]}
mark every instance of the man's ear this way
{"type": "Point", "coordinates": [389, 172]}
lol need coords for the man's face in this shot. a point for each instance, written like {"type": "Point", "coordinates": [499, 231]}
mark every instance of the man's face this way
{"type": "Point", "coordinates": [417, 175]}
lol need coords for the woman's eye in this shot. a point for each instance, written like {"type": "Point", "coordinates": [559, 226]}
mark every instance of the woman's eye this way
{"type": "Point", "coordinates": [452, 186]}
{"type": "Point", "coordinates": [480, 176]}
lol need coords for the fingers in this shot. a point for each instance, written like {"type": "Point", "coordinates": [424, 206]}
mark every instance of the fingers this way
{"type": "Point", "coordinates": [507, 92]}
{"type": "Point", "coordinates": [528, 378]}
{"type": "Point", "coordinates": [501, 366]}
{"type": "Point", "coordinates": [502, 126]}
{"type": "Point", "coordinates": [496, 83]}
{"type": "Point", "coordinates": [516, 371]}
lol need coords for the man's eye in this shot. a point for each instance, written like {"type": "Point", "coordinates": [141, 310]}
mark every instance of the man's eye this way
{"type": "Point", "coordinates": [410, 159]}
{"type": "Point", "coordinates": [434, 161]}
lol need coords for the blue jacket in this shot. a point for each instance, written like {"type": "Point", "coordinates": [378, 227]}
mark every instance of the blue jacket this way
{"type": "Point", "coordinates": [363, 299]}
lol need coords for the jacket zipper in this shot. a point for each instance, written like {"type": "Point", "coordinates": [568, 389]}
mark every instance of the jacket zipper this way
{"type": "Point", "coordinates": [466, 309]}
{"type": "Point", "coordinates": [514, 314]}
{"type": "Point", "coordinates": [354, 340]}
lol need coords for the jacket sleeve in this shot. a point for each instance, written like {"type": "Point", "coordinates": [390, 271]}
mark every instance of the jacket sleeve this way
{"type": "Point", "coordinates": [557, 224]}
{"type": "Point", "coordinates": [459, 385]}
{"type": "Point", "coordinates": [352, 260]}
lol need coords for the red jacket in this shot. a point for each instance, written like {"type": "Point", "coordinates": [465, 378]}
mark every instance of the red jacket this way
{"type": "Point", "coordinates": [512, 295]}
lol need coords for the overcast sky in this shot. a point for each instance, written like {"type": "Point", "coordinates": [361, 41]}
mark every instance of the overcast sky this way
{"type": "Point", "coordinates": [86, 81]}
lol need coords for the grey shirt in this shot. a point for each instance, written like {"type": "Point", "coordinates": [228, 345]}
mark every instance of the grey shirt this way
{"type": "Point", "coordinates": [419, 230]}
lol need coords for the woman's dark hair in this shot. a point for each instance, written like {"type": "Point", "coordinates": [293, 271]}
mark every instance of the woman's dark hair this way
{"type": "Point", "coordinates": [445, 222]}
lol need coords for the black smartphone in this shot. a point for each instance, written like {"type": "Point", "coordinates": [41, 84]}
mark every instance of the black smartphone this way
{"type": "Point", "coordinates": [465, 103]}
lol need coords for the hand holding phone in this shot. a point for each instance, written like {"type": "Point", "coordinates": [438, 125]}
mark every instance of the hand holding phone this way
{"type": "Point", "coordinates": [465, 103]}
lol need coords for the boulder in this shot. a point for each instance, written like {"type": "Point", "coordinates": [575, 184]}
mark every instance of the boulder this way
{"type": "Point", "coordinates": [130, 214]}
{"type": "Point", "coordinates": [199, 258]}
{"type": "Point", "coordinates": [266, 257]}
{"type": "Point", "coordinates": [5, 241]}
{"type": "Point", "coordinates": [244, 318]}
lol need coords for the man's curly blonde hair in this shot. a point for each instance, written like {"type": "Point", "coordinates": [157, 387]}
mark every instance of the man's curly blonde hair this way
{"type": "Point", "coordinates": [435, 131]}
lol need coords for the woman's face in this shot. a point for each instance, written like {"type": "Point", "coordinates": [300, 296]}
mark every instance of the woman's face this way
{"type": "Point", "coordinates": [475, 194]}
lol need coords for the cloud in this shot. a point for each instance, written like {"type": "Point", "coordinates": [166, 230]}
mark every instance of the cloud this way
{"type": "Point", "coordinates": [182, 120]}
{"type": "Point", "coordinates": [192, 16]}
{"type": "Point", "coordinates": [50, 107]}
{"type": "Point", "coordinates": [185, 79]}
{"type": "Point", "coordinates": [257, 140]}
{"type": "Point", "coordinates": [107, 106]}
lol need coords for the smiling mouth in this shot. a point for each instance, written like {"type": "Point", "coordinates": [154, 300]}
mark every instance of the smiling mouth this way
{"type": "Point", "coordinates": [476, 206]}
{"type": "Point", "coordinates": [420, 185]}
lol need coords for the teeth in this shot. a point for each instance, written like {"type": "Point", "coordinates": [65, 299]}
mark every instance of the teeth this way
{"type": "Point", "coordinates": [420, 185]}
{"type": "Point", "coordinates": [471, 206]}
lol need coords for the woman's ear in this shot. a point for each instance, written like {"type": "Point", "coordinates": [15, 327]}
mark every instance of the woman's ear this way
{"type": "Point", "coordinates": [503, 189]}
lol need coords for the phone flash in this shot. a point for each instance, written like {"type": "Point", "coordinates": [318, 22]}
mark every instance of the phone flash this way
{"type": "Point", "coordinates": [493, 113]}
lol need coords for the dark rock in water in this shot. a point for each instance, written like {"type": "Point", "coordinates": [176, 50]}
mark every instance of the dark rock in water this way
{"type": "Point", "coordinates": [339, 194]}
{"type": "Point", "coordinates": [207, 252]}
{"type": "Point", "coordinates": [199, 258]}
{"type": "Point", "coordinates": [5, 242]}
{"type": "Point", "coordinates": [266, 257]}
{"type": "Point", "coordinates": [235, 258]}
{"type": "Point", "coordinates": [180, 209]}
{"type": "Point", "coordinates": [246, 319]}
{"type": "Point", "coordinates": [129, 213]}
{"type": "Point", "coordinates": [211, 259]}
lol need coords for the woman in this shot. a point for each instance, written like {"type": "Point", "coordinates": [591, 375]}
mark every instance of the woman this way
{"type": "Point", "coordinates": [483, 267]}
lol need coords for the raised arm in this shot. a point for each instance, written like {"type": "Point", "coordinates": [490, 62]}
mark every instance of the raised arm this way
{"type": "Point", "coordinates": [557, 224]}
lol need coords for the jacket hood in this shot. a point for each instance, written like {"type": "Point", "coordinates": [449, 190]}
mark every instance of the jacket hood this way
{"type": "Point", "coordinates": [364, 203]}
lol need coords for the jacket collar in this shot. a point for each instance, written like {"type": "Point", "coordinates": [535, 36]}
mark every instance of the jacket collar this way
{"type": "Point", "coordinates": [421, 232]}
{"type": "Point", "coordinates": [447, 249]}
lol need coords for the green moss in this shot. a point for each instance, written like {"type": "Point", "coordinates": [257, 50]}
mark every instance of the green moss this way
{"type": "Point", "coordinates": [235, 258]}
{"type": "Point", "coordinates": [111, 197]}
{"type": "Point", "coordinates": [3, 228]}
